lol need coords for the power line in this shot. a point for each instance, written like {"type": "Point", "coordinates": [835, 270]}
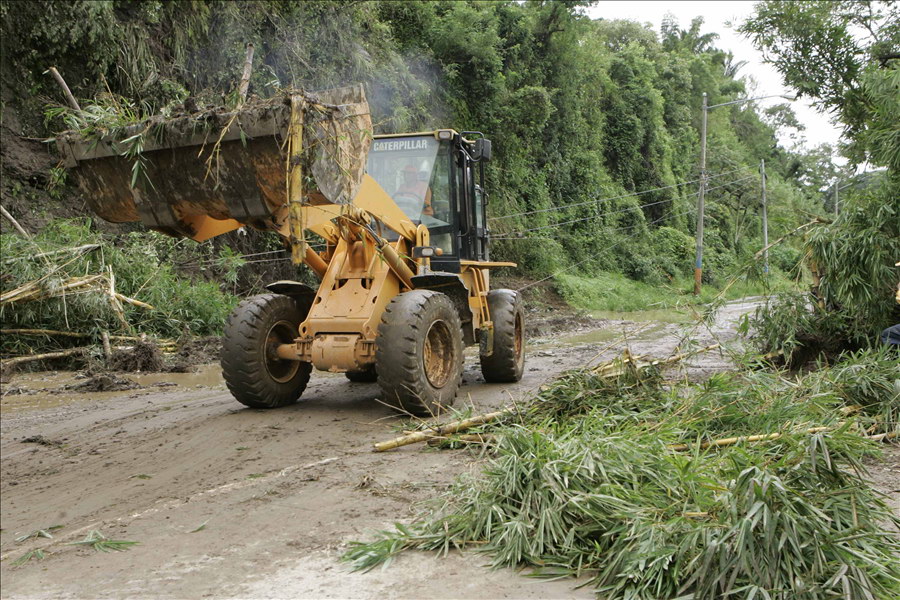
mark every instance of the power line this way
{"type": "Point", "coordinates": [511, 235]}
{"type": "Point", "coordinates": [595, 200]}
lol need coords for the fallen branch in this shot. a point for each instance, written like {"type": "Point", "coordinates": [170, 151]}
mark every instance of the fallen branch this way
{"type": "Point", "coordinates": [133, 302]}
{"type": "Point", "coordinates": [11, 362]}
{"type": "Point", "coordinates": [15, 223]}
{"type": "Point", "coordinates": [737, 440]}
{"type": "Point", "coordinates": [78, 334]}
{"type": "Point", "coordinates": [443, 430]}
{"type": "Point", "coordinates": [603, 370]}
{"type": "Point", "coordinates": [76, 250]}
{"type": "Point", "coordinates": [465, 438]}
{"type": "Point", "coordinates": [65, 88]}
{"type": "Point", "coordinates": [34, 291]}
{"type": "Point", "coordinates": [816, 221]}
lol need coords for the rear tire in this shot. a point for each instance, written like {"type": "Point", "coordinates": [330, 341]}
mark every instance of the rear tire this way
{"type": "Point", "coordinates": [507, 362]}
{"type": "Point", "coordinates": [419, 352]}
{"type": "Point", "coordinates": [255, 376]}
{"type": "Point", "coordinates": [365, 376]}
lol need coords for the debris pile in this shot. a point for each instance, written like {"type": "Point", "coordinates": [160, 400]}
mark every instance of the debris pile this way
{"type": "Point", "coordinates": [627, 479]}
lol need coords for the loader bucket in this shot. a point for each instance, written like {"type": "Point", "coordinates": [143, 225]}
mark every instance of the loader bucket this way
{"type": "Point", "coordinates": [203, 174]}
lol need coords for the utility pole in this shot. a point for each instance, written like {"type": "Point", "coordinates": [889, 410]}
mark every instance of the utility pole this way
{"type": "Point", "coordinates": [765, 218]}
{"type": "Point", "coordinates": [698, 265]}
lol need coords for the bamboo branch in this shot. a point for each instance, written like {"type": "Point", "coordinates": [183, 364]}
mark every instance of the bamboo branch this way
{"type": "Point", "coordinates": [15, 223]}
{"type": "Point", "coordinates": [33, 291]}
{"type": "Point", "coordinates": [65, 88]}
{"type": "Point", "coordinates": [78, 334]}
{"type": "Point", "coordinates": [132, 301]}
{"type": "Point", "coordinates": [245, 76]}
{"type": "Point", "coordinates": [426, 434]}
{"type": "Point", "coordinates": [787, 235]}
{"type": "Point", "coordinates": [77, 249]}
{"type": "Point", "coordinates": [11, 362]}
{"type": "Point", "coordinates": [736, 440]}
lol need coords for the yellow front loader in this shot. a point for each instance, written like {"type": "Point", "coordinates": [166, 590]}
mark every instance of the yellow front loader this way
{"type": "Point", "coordinates": [393, 226]}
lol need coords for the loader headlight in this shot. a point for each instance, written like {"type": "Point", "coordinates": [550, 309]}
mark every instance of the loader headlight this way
{"type": "Point", "coordinates": [445, 134]}
{"type": "Point", "coordinates": [426, 251]}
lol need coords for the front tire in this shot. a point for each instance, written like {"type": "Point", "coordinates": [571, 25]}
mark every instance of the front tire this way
{"type": "Point", "coordinates": [419, 352]}
{"type": "Point", "coordinates": [254, 374]}
{"type": "Point", "coordinates": [507, 362]}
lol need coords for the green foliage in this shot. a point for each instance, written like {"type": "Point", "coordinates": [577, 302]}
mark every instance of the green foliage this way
{"type": "Point", "coordinates": [144, 265]}
{"type": "Point", "coordinates": [577, 109]}
{"type": "Point", "coordinates": [855, 297]}
{"type": "Point", "coordinates": [843, 55]}
{"type": "Point", "coordinates": [584, 482]}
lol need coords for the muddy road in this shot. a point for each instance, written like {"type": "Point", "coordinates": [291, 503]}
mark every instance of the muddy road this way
{"type": "Point", "coordinates": [229, 501]}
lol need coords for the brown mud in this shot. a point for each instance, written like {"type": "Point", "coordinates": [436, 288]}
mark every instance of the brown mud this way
{"type": "Point", "coordinates": [227, 501]}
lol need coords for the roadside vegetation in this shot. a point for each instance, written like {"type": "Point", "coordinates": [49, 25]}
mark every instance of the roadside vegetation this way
{"type": "Point", "coordinates": [61, 286]}
{"type": "Point", "coordinates": [595, 122]}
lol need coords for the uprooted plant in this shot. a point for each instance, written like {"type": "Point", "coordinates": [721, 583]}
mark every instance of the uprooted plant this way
{"type": "Point", "coordinates": [589, 480]}
{"type": "Point", "coordinates": [852, 298]}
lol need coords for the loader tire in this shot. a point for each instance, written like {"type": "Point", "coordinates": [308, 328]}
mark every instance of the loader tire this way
{"type": "Point", "coordinates": [255, 376]}
{"type": "Point", "coordinates": [507, 362]}
{"type": "Point", "coordinates": [365, 376]}
{"type": "Point", "coordinates": [419, 352]}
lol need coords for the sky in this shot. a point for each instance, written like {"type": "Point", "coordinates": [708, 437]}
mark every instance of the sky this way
{"type": "Point", "coordinates": [716, 14]}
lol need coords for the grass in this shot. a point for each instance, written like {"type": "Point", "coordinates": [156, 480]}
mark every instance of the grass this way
{"type": "Point", "coordinates": [585, 482]}
{"type": "Point", "coordinates": [616, 293]}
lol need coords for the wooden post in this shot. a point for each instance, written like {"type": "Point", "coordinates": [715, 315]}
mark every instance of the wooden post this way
{"type": "Point", "coordinates": [701, 196]}
{"type": "Point", "coordinates": [65, 88]}
{"type": "Point", "coordinates": [245, 76]}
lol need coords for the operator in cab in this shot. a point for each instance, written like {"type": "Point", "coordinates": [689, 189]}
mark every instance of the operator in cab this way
{"type": "Point", "coordinates": [414, 195]}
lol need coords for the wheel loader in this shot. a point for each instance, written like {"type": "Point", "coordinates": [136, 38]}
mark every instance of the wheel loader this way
{"type": "Point", "coordinates": [392, 226]}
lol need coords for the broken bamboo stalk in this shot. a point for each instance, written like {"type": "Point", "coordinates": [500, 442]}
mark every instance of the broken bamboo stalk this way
{"type": "Point", "coordinates": [33, 291]}
{"type": "Point", "coordinates": [78, 334]}
{"type": "Point", "coordinates": [464, 438]}
{"type": "Point", "coordinates": [47, 332]}
{"type": "Point", "coordinates": [132, 301]}
{"type": "Point", "coordinates": [737, 440]}
{"type": "Point", "coordinates": [11, 362]}
{"type": "Point", "coordinates": [15, 223]}
{"type": "Point", "coordinates": [442, 430]}
{"type": "Point", "coordinates": [73, 103]}
{"type": "Point", "coordinates": [245, 76]}
{"type": "Point", "coordinates": [107, 349]}
{"type": "Point", "coordinates": [457, 426]}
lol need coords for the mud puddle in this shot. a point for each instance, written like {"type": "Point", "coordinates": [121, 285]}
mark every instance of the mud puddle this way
{"type": "Point", "coordinates": [30, 391]}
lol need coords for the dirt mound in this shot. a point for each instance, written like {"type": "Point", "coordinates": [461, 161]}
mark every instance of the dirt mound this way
{"type": "Point", "coordinates": [143, 356]}
{"type": "Point", "coordinates": [104, 382]}
{"type": "Point", "coordinates": [41, 440]}
{"type": "Point", "coordinates": [194, 352]}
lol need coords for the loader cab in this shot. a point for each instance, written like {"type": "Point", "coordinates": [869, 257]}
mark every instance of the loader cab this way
{"type": "Point", "coordinates": [437, 179]}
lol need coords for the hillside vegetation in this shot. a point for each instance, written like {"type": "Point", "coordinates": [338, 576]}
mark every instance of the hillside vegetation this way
{"type": "Point", "coordinates": [594, 122]}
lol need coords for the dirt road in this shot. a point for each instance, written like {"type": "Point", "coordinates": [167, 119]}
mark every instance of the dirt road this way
{"type": "Point", "coordinates": [228, 501]}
